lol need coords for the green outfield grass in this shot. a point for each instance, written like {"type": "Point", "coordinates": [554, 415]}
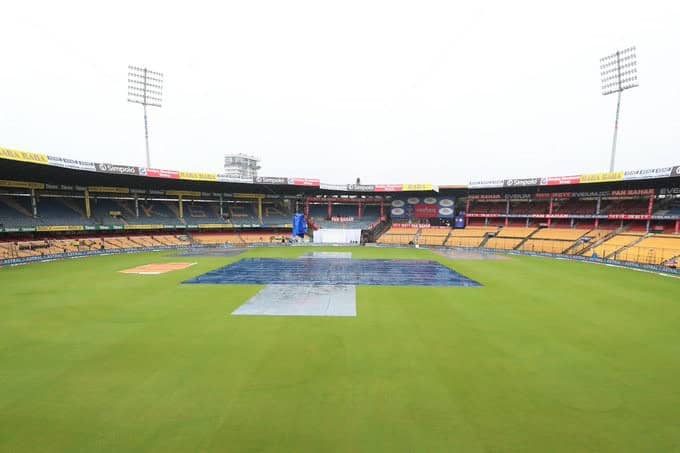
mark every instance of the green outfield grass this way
{"type": "Point", "coordinates": [549, 356]}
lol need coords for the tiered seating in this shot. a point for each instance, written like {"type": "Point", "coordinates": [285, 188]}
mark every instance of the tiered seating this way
{"type": "Point", "coordinates": [169, 240]}
{"type": "Point", "coordinates": [546, 245]}
{"type": "Point", "coordinates": [594, 235]}
{"type": "Point", "coordinates": [560, 233]}
{"type": "Point", "coordinates": [62, 211]}
{"type": "Point", "coordinates": [398, 235]}
{"type": "Point", "coordinates": [631, 207]}
{"type": "Point", "coordinates": [433, 236]}
{"type": "Point", "coordinates": [576, 207]}
{"type": "Point", "coordinates": [145, 241]}
{"type": "Point", "coordinates": [196, 213]}
{"type": "Point", "coordinates": [613, 244]}
{"type": "Point", "coordinates": [242, 213]}
{"type": "Point", "coordinates": [535, 207]}
{"type": "Point", "coordinates": [121, 243]}
{"type": "Point", "coordinates": [16, 212]}
{"type": "Point", "coordinates": [273, 215]}
{"type": "Point", "coordinates": [553, 240]}
{"type": "Point", "coordinates": [469, 237]}
{"type": "Point", "coordinates": [515, 232]}
{"type": "Point", "coordinates": [257, 238]}
{"type": "Point", "coordinates": [214, 239]}
{"type": "Point", "coordinates": [655, 249]}
{"type": "Point", "coordinates": [488, 208]}
{"type": "Point", "coordinates": [502, 243]}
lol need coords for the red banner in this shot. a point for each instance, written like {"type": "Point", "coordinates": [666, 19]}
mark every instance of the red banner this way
{"type": "Point", "coordinates": [628, 216]}
{"type": "Point", "coordinates": [560, 180]}
{"type": "Point", "coordinates": [388, 187]}
{"type": "Point", "coordinates": [425, 211]}
{"type": "Point", "coordinates": [157, 173]}
{"type": "Point", "coordinates": [304, 182]}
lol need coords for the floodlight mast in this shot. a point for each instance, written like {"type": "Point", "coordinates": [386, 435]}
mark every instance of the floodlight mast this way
{"type": "Point", "coordinates": [618, 72]}
{"type": "Point", "coordinates": [145, 87]}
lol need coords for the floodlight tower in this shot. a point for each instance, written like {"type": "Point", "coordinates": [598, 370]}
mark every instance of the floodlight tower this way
{"type": "Point", "coordinates": [145, 87]}
{"type": "Point", "coordinates": [618, 72]}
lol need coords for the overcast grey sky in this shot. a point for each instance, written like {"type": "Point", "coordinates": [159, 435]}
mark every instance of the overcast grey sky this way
{"type": "Point", "coordinates": [424, 92]}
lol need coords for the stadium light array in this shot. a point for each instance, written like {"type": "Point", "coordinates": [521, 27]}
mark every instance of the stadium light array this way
{"type": "Point", "coordinates": [618, 72]}
{"type": "Point", "coordinates": [145, 87]}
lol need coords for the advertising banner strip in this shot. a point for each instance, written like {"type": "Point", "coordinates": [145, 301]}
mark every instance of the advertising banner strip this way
{"type": "Point", "coordinates": [225, 178]}
{"type": "Point", "coordinates": [602, 177]}
{"type": "Point", "coordinates": [560, 180]}
{"type": "Point", "coordinates": [388, 188]}
{"type": "Point", "coordinates": [248, 195]}
{"type": "Point", "coordinates": [184, 193]}
{"type": "Point", "coordinates": [117, 169]}
{"type": "Point", "coordinates": [144, 227]}
{"type": "Point", "coordinates": [521, 182]}
{"type": "Point", "coordinates": [213, 225]}
{"type": "Point", "coordinates": [197, 176]}
{"type": "Point", "coordinates": [340, 187]}
{"type": "Point", "coordinates": [647, 174]}
{"type": "Point", "coordinates": [23, 156]}
{"type": "Point", "coordinates": [158, 173]}
{"type": "Point", "coordinates": [306, 182]}
{"type": "Point", "coordinates": [108, 189]}
{"type": "Point", "coordinates": [22, 184]}
{"type": "Point", "coordinates": [486, 184]}
{"type": "Point", "coordinates": [270, 180]}
{"type": "Point", "coordinates": [60, 228]}
{"type": "Point", "coordinates": [418, 187]}
{"type": "Point", "coordinates": [71, 163]}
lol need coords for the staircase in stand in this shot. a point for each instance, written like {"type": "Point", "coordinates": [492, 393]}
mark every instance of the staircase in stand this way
{"type": "Point", "coordinates": [626, 247]}
{"type": "Point", "coordinates": [517, 247]}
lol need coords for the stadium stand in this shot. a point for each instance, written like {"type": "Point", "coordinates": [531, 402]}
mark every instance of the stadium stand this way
{"type": "Point", "coordinates": [532, 208]}
{"type": "Point", "coordinates": [630, 207]}
{"type": "Point", "coordinates": [502, 243]}
{"type": "Point", "coordinates": [652, 249]}
{"type": "Point", "coordinates": [397, 234]}
{"type": "Point", "coordinates": [515, 232]}
{"type": "Point", "coordinates": [576, 206]}
{"type": "Point", "coordinates": [433, 236]}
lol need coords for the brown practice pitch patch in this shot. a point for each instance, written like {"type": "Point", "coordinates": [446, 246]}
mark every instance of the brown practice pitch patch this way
{"type": "Point", "coordinates": [155, 269]}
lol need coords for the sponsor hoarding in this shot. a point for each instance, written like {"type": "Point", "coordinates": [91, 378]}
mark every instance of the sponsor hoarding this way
{"type": "Point", "coordinates": [418, 187]}
{"type": "Point", "coordinates": [117, 169]}
{"type": "Point", "coordinates": [108, 189]}
{"type": "Point", "coordinates": [360, 187]}
{"type": "Point", "coordinates": [22, 184]}
{"type": "Point", "coordinates": [647, 174]}
{"type": "Point", "coordinates": [388, 188]}
{"type": "Point", "coordinates": [225, 178]}
{"type": "Point", "coordinates": [71, 163]}
{"type": "Point", "coordinates": [425, 211]}
{"type": "Point", "coordinates": [159, 173]}
{"type": "Point", "coordinates": [486, 184]}
{"type": "Point", "coordinates": [560, 180]}
{"type": "Point", "coordinates": [521, 182]}
{"type": "Point", "coordinates": [306, 182]}
{"type": "Point", "coordinates": [602, 177]}
{"type": "Point", "coordinates": [270, 180]}
{"type": "Point", "coordinates": [23, 156]}
{"type": "Point", "coordinates": [340, 187]}
{"type": "Point", "coordinates": [197, 176]}
{"type": "Point", "coordinates": [60, 228]}
{"type": "Point", "coordinates": [145, 227]}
